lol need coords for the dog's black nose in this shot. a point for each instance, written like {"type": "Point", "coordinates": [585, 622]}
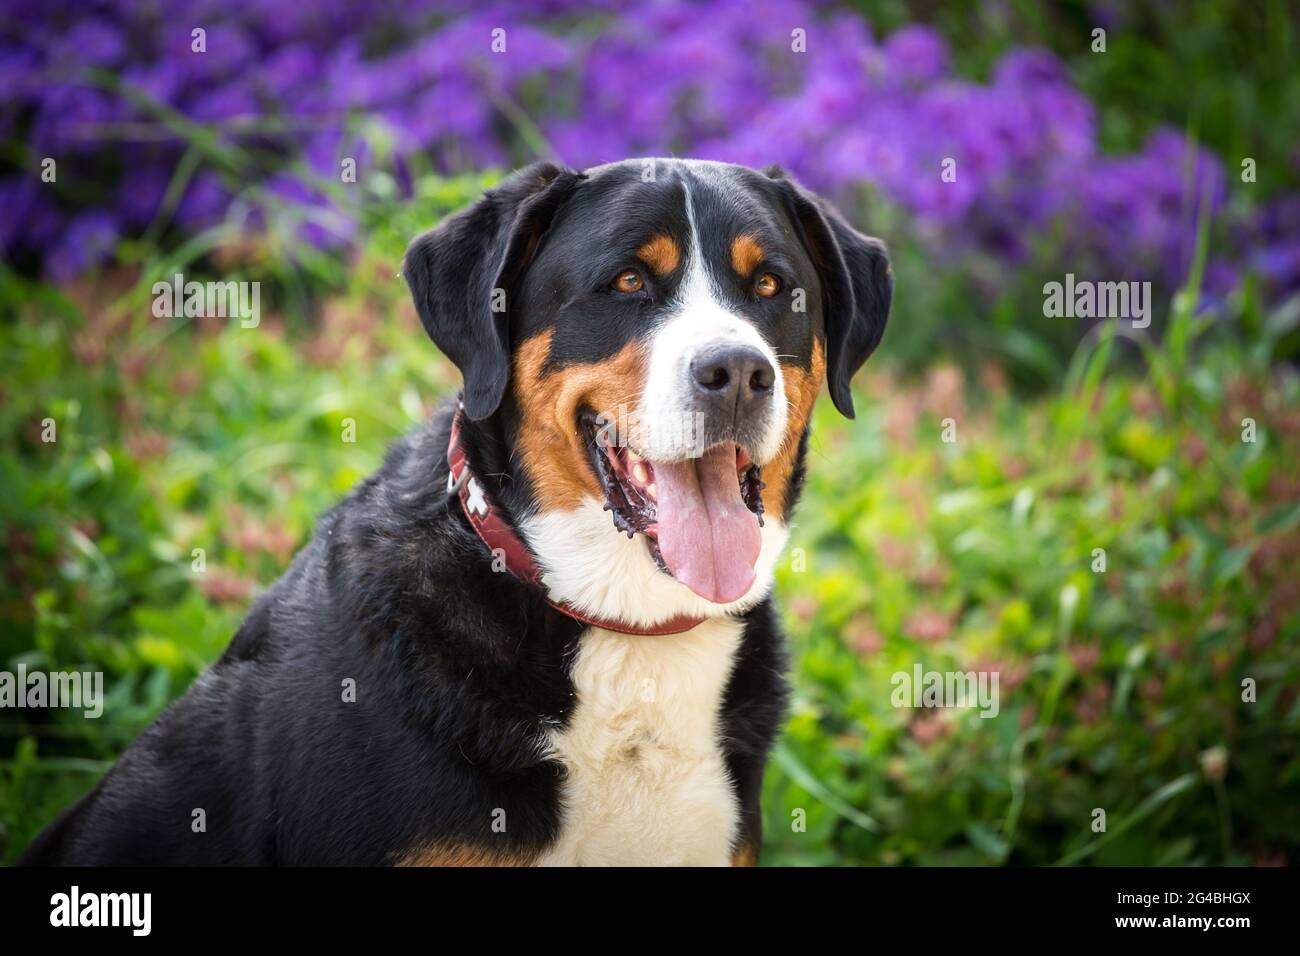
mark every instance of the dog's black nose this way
{"type": "Point", "coordinates": [733, 378]}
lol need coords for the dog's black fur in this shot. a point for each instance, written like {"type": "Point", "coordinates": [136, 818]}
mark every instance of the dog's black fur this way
{"type": "Point", "coordinates": [458, 671]}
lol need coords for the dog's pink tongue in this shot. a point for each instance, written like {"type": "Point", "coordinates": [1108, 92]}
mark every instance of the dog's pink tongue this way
{"type": "Point", "coordinates": [709, 539]}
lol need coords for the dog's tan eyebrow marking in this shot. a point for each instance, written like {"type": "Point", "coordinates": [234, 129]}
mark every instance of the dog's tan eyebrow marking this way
{"type": "Point", "coordinates": [746, 254]}
{"type": "Point", "coordinates": [661, 254]}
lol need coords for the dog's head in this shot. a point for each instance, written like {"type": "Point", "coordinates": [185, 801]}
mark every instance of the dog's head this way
{"type": "Point", "coordinates": [647, 339]}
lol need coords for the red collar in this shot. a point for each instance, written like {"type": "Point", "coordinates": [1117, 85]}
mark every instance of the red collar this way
{"type": "Point", "coordinates": [497, 534]}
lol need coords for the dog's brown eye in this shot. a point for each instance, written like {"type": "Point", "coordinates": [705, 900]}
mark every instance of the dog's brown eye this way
{"type": "Point", "coordinates": [767, 285]}
{"type": "Point", "coordinates": [629, 281]}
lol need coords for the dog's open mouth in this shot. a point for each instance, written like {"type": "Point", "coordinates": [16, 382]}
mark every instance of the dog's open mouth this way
{"type": "Point", "coordinates": [701, 516]}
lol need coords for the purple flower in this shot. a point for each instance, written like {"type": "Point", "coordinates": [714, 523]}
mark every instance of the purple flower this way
{"type": "Point", "coordinates": [916, 54]}
{"type": "Point", "coordinates": [88, 239]}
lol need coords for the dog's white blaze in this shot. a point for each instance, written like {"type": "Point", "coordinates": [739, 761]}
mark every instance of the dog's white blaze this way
{"type": "Point", "coordinates": [647, 783]}
{"type": "Point", "coordinates": [699, 320]}
{"type": "Point", "coordinates": [586, 562]}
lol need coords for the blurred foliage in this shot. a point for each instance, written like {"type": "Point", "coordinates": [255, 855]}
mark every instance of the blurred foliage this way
{"type": "Point", "coordinates": [1119, 690]}
{"type": "Point", "coordinates": [1224, 70]}
{"type": "Point", "coordinates": [1224, 73]}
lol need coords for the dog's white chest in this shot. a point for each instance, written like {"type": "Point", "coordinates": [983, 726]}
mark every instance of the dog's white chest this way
{"type": "Point", "coordinates": [646, 782]}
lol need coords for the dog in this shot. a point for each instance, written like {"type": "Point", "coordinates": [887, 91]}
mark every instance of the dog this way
{"type": "Point", "coordinates": [541, 633]}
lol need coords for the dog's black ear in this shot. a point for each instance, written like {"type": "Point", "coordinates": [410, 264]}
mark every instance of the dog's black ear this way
{"type": "Point", "coordinates": [463, 274]}
{"type": "Point", "coordinates": [857, 285]}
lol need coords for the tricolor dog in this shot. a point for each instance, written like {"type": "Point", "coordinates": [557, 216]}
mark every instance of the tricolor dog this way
{"type": "Point", "coordinates": [542, 632]}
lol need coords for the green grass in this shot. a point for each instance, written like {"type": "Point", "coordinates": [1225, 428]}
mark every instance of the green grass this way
{"type": "Point", "coordinates": [1120, 691]}
{"type": "Point", "coordinates": [1116, 686]}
